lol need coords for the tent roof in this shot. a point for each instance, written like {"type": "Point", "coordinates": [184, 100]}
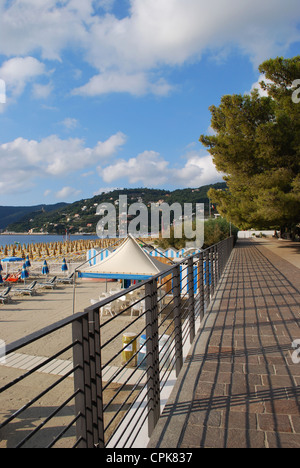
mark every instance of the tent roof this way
{"type": "Point", "coordinates": [129, 261]}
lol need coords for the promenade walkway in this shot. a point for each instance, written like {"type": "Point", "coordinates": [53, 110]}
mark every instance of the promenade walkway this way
{"type": "Point", "coordinates": [240, 385]}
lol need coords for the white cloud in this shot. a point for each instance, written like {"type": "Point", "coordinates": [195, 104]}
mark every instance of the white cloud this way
{"type": "Point", "coordinates": [257, 85]}
{"type": "Point", "coordinates": [41, 91]}
{"type": "Point", "coordinates": [67, 192]}
{"type": "Point", "coordinates": [24, 161]}
{"type": "Point", "coordinates": [127, 53]}
{"type": "Point", "coordinates": [198, 171]}
{"type": "Point", "coordinates": [136, 84]}
{"type": "Point", "coordinates": [151, 169]}
{"type": "Point", "coordinates": [106, 190]}
{"type": "Point", "coordinates": [70, 123]}
{"type": "Point", "coordinates": [18, 72]}
{"type": "Point", "coordinates": [148, 167]}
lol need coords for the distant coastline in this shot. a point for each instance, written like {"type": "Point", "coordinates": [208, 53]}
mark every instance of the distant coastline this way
{"type": "Point", "coordinates": [45, 234]}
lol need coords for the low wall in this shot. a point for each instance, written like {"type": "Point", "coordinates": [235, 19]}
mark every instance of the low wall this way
{"type": "Point", "coordinates": [249, 234]}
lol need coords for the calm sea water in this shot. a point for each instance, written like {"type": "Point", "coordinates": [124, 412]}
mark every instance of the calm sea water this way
{"type": "Point", "coordinates": [9, 240]}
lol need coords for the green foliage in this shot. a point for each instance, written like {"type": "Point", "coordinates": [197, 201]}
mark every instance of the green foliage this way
{"type": "Point", "coordinates": [215, 230]}
{"type": "Point", "coordinates": [257, 146]}
{"type": "Point", "coordinates": [80, 215]}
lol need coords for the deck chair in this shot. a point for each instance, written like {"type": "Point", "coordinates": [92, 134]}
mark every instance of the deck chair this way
{"type": "Point", "coordinates": [48, 284]}
{"type": "Point", "coordinates": [4, 296]}
{"type": "Point", "coordinates": [30, 289]}
{"type": "Point", "coordinates": [67, 280]}
{"type": "Point", "coordinates": [13, 278]}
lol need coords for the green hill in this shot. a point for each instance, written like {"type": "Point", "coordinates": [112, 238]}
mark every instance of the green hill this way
{"type": "Point", "coordinates": [81, 215]}
{"type": "Point", "coordinates": [14, 214]}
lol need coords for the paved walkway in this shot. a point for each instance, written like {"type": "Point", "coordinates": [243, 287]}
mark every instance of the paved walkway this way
{"type": "Point", "coordinates": [240, 385]}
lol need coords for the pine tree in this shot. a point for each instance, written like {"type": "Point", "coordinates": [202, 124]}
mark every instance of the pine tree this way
{"type": "Point", "coordinates": [257, 146]}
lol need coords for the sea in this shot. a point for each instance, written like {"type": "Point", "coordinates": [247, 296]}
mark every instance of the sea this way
{"type": "Point", "coordinates": [37, 239]}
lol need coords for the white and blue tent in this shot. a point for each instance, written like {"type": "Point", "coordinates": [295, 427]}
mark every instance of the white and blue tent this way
{"type": "Point", "coordinates": [156, 253]}
{"type": "Point", "coordinates": [129, 261]}
{"type": "Point", "coordinates": [96, 255]}
{"type": "Point", "coordinates": [171, 253]}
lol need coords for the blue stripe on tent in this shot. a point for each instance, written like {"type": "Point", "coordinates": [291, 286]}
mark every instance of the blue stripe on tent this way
{"type": "Point", "coordinates": [112, 276]}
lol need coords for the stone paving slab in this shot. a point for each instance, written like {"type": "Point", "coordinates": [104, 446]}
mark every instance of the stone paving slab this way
{"type": "Point", "coordinates": [240, 385]}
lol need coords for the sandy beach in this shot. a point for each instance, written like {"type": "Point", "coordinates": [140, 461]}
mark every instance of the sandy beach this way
{"type": "Point", "coordinates": [26, 315]}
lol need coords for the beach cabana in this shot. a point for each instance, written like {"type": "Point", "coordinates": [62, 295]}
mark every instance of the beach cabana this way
{"type": "Point", "coordinates": [9, 260]}
{"type": "Point", "coordinates": [127, 262]}
{"type": "Point", "coordinates": [96, 255]}
{"type": "Point", "coordinates": [171, 253]}
{"type": "Point", "coordinates": [156, 253]}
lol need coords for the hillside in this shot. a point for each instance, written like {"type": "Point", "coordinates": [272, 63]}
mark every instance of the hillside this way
{"type": "Point", "coordinates": [81, 215]}
{"type": "Point", "coordinates": [14, 214]}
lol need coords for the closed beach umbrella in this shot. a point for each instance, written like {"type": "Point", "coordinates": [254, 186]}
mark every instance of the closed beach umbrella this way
{"type": "Point", "coordinates": [27, 263]}
{"type": "Point", "coordinates": [1, 279]}
{"type": "Point", "coordinates": [64, 265]}
{"type": "Point", "coordinates": [24, 273]}
{"type": "Point", "coordinates": [45, 269]}
{"type": "Point", "coordinates": [1, 267]}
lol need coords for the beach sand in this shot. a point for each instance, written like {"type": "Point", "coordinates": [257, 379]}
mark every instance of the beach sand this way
{"type": "Point", "coordinates": [26, 315]}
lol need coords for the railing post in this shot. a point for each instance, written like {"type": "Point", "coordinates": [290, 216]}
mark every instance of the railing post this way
{"type": "Point", "coordinates": [152, 349]}
{"type": "Point", "coordinates": [218, 263]}
{"type": "Point", "coordinates": [222, 254]}
{"type": "Point", "coordinates": [88, 380]}
{"type": "Point", "coordinates": [96, 378]}
{"type": "Point", "coordinates": [191, 299]}
{"type": "Point", "coordinates": [212, 270]}
{"type": "Point", "coordinates": [79, 382]}
{"type": "Point", "coordinates": [207, 271]}
{"type": "Point", "coordinates": [201, 281]}
{"type": "Point", "coordinates": [177, 320]}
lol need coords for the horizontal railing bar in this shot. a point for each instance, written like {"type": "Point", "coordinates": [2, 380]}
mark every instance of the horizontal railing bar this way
{"type": "Point", "coordinates": [16, 345]}
{"type": "Point", "coordinates": [119, 352]}
{"type": "Point", "coordinates": [58, 437]}
{"type": "Point", "coordinates": [195, 283]}
{"type": "Point", "coordinates": [46, 420]}
{"type": "Point", "coordinates": [34, 400]}
{"type": "Point", "coordinates": [138, 428]}
{"type": "Point", "coordinates": [124, 402]}
{"type": "Point", "coordinates": [135, 387]}
{"type": "Point", "coordinates": [120, 371]}
{"type": "Point", "coordinates": [132, 417]}
{"type": "Point", "coordinates": [36, 368]}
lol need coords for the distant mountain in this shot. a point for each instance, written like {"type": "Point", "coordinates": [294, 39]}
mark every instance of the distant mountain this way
{"type": "Point", "coordinates": [13, 214]}
{"type": "Point", "coordinates": [81, 215]}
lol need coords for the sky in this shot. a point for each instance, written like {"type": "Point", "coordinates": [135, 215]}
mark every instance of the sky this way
{"type": "Point", "coordinates": [97, 95]}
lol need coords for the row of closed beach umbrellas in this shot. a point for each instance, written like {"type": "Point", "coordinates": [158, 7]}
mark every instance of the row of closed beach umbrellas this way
{"type": "Point", "coordinates": [26, 265]}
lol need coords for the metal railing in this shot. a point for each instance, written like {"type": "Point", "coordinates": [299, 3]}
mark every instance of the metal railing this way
{"type": "Point", "coordinates": [119, 359]}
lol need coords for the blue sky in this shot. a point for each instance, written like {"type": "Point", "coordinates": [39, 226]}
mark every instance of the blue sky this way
{"type": "Point", "coordinates": [104, 94]}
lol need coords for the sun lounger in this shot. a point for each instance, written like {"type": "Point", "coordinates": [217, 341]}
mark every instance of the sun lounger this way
{"type": "Point", "coordinates": [14, 278]}
{"type": "Point", "coordinates": [4, 296]}
{"type": "Point", "coordinates": [67, 280]}
{"type": "Point", "coordinates": [27, 290]}
{"type": "Point", "coordinates": [48, 284]}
